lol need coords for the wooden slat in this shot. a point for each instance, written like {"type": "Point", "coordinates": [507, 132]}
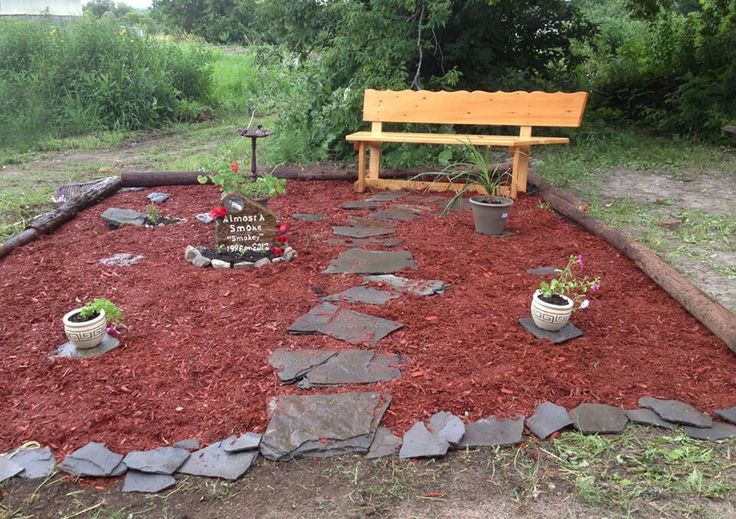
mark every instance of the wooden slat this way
{"type": "Point", "coordinates": [418, 185]}
{"type": "Point", "coordinates": [449, 138]}
{"type": "Point", "coordinates": [478, 108]}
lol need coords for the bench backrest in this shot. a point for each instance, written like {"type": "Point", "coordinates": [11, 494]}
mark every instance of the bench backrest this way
{"type": "Point", "coordinates": [475, 108]}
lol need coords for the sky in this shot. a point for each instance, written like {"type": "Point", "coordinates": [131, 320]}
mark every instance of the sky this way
{"type": "Point", "coordinates": [138, 4]}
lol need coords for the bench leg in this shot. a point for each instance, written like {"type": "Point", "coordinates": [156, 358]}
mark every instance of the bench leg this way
{"type": "Point", "coordinates": [520, 170]}
{"type": "Point", "coordinates": [375, 161]}
{"type": "Point", "coordinates": [360, 186]}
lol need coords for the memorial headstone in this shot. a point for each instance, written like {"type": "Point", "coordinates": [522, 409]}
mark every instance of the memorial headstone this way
{"type": "Point", "coordinates": [247, 227]}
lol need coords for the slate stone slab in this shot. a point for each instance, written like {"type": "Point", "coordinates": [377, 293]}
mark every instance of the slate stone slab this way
{"type": "Point", "coordinates": [8, 468]}
{"type": "Point", "coordinates": [215, 462]}
{"type": "Point", "coordinates": [385, 196]}
{"type": "Point", "coordinates": [447, 426]}
{"type": "Point", "coordinates": [204, 218]}
{"type": "Point", "coordinates": [547, 419]}
{"type": "Point", "coordinates": [68, 349]}
{"type": "Point", "coordinates": [719, 431]}
{"type": "Point", "coordinates": [542, 271]}
{"type": "Point", "coordinates": [384, 444]}
{"type": "Point", "coordinates": [401, 214]}
{"type": "Point", "coordinates": [147, 483]}
{"type": "Point", "coordinates": [417, 287]}
{"type": "Point", "coordinates": [115, 217]}
{"type": "Point", "coordinates": [331, 367]}
{"type": "Point", "coordinates": [361, 204]}
{"type": "Point", "coordinates": [121, 259]}
{"type": "Point", "coordinates": [490, 432]}
{"type": "Point", "coordinates": [361, 261]}
{"type": "Point", "coordinates": [346, 325]}
{"type": "Point", "coordinates": [356, 242]}
{"type": "Point", "coordinates": [190, 444]}
{"type": "Point", "coordinates": [568, 332]}
{"type": "Point", "coordinates": [363, 296]}
{"type": "Point", "coordinates": [646, 416]}
{"type": "Point", "coordinates": [362, 232]}
{"type": "Point", "coordinates": [158, 198]}
{"type": "Point", "coordinates": [598, 419]}
{"type": "Point", "coordinates": [36, 463]}
{"type": "Point", "coordinates": [423, 199]}
{"type": "Point", "coordinates": [727, 414]}
{"type": "Point", "coordinates": [418, 442]}
{"type": "Point", "coordinates": [164, 460]}
{"type": "Point", "coordinates": [246, 442]}
{"type": "Point", "coordinates": [309, 217]}
{"type": "Point", "coordinates": [362, 221]}
{"type": "Point", "coordinates": [93, 460]}
{"type": "Point", "coordinates": [322, 425]}
{"type": "Point", "coordinates": [676, 411]}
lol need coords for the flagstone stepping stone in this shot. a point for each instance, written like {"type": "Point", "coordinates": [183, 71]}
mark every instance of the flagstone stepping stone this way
{"type": "Point", "coordinates": [385, 196]}
{"type": "Point", "coordinates": [362, 221]}
{"type": "Point", "coordinates": [164, 460]}
{"type": "Point", "coordinates": [147, 483]}
{"type": "Point", "coordinates": [115, 218]}
{"type": "Point", "coordinates": [158, 198]}
{"type": "Point", "coordinates": [727, 414]}
{"type": "Point", "coordinates": [646, 416]}
{"type": "Point", "coordinates": [418, 442]}
{"type": "Point", "coordinates": [566, 333]}
{"type": "Point", "coordinates": [676, 411]}
{"type": "Point", "coordinates": [719, 431]}
{"type": "Point", "coordinates": [384, 444]}
{"type": "Point", "coordinates": [246, 442]}
{"type": "Point", "coordinates": [491, 432]}
{"type": "Point", "coordinates": [331, 367]}
{"type": "Point", "coordinates": [547, 419]}
{"type": "Point", "coordinates": [36, 463]}
{"type": "Point", "coordinates": [355, 242]}
{"type": "Point", "coordinates": [361, 261]}
{"type": "Point", "coordinates": [309, 217]}
{"type": "Point", "coordinates": [93, 460]}
{"type": "Point", "coordinates": [363, 295]}
{"type": "Point", "coordinates": [362, 232]}
{"type": "Point", "coordinates": [447, 426]}
{"type": "Point", "coordinates": [361, 204]}
{"type": "Point", "coordinates": [343, 324]}
{"type": "Point", "coordinates": [542, 271]}
{"type": "Point", "coordinates": [8, 468]}
{"type": "Point", "coordinates": [432, 199]}
{"type": "Point", "coordinates": [417, 287]}
{"type": "Point", "coordinates": [68, 349]}
{"type": "Point", "coordinates": [401, 214]}
{"type": "Point", "coordinates": [322, 425]}
{"type": "Point", "coordinates": [121, 259]}
{"type": "Point", "coordinates": [190, 444]}
{"type": "Point", "coordinates": [598, 419]}
{"type": "Point", "coordinates": [215, 462]}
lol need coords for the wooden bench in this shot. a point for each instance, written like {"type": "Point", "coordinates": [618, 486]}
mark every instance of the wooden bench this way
{"type": "Point", "coordinates": [523, 109]}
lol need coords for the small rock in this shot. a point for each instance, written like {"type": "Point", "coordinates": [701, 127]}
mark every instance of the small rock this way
{"type": "Point", "coordinates": [115, 217]}
{"type": "Point", "coordinates": [598, 419]}
{"type": "Point", "coordinates": [548, 418]}
{"type": "Point", "coordinates": [164, 460]}
{"type": "Point", "coordinates": [385, 443]}
{"type": "Point", "coordinates": [291, 255]}
{"type": "Point", "coordinates": [287, 250]}
{"type": "Point", "coordinates": [147, 483]}
{"type": "Point", "coordinates": [719, 431]}
{"type": "Point", "coordinates": [247, 442]}
{"type": "Point", "coordinates": [190, 253]}
{"type": "Point", "coordinates": [121, 259]}
{"type": "Point", "coordinates": [646, 416]}
{"type": "Point", "coordinates": [277, 260]}
{"type": "Point", "coordinates": [492, 432]}
{"type": "Point", "coordinates": [214, 462]}
{"type": "Point", "coordinates": [262, 263]}
{"type": "Point", "coordinates": [204, 218]}
{"type": "Point", "coordinates": [244, 265]}
{"type": "Point", "coordinates": [727, 414]}
{"type": "Point", "coordinates": [201, 261]}
{"type": "Point", "coordinates": [93, 460]}
{"type": "Point", "coordinates": [676, 411]}
{"type": "Point", "coordinates": [420, 443]}
{"type": "Point", "coordinates": [219, 264]}
{"type": "Point", "coordinates": [158, 198]}
{"type": "Point", "coordinates": [190, 444]}
{"type": "Point", "coordinates": [308, 217]}
{"type": "Point", "coordinates": [36, 463]}
{"type": "Point", "coordinates": [8, 468]}
{"type": "Point", "coordinates": [447, 426]}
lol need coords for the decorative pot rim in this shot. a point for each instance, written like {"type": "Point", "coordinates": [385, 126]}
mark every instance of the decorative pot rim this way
{"type": "Point", "coordinates": [504, 201]}
{"type": "Point", "coordinates": [76, 311]}
{"type": "Point", "coordinates": [569, 305]}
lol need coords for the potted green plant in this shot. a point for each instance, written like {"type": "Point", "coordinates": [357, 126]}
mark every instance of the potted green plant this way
{"type": "Point", "coordinates": [85, 327]}
{"type": "Point", "coordinates": [553, 302]}
{"type": "Point", "coordinates": [490, 211]}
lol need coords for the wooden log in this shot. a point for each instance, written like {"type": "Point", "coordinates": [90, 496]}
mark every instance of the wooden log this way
{"type": "Point", "coordinates": [52, 220]}
{"type": "Point", "coordinates": [709, 312]}
{"type": "Point", "coordinates": [22, 238]}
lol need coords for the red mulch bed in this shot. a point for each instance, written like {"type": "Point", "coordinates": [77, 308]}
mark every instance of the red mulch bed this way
{"type": "Point", "coordinates": [193, 363]}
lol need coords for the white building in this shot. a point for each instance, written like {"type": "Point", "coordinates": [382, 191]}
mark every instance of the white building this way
{"type": "Point", "coordinates": [39, 7]}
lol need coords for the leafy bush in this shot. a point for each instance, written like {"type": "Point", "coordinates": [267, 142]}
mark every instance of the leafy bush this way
{"type": "Point", "coordinates": [93, 75]}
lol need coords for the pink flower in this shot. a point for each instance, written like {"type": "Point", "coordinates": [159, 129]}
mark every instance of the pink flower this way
{"type": "Point", "coordinates": [112, 331]}
{"type": "Point", "coordinates": [595, 288]}
{"type": "Point", "coordinates": [579, 261]}
{"type": "Point", "coordinates": [282, 228]}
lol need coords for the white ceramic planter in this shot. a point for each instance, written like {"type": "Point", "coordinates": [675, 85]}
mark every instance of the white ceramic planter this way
{"type": "Point", "coordinates": [87, 334]}
{"type": "Point", "coordinates": [550, 317]}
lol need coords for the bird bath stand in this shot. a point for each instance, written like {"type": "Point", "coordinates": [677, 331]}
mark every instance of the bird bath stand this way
{"type": "Point", "coordinates": [253, 133]}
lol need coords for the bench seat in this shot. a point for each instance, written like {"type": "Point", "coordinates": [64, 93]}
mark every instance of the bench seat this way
{"type": "Point", "coordinates": [509, 141]}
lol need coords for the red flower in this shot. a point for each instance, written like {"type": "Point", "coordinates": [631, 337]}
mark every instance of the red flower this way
{"type": "Point", "coordinates": [277, 250]}
{"type": "Point", "coordinates": [218, 212]}
{"type": "Point", "coordinates": [234, 166]}
{"type": "Point", "coordinates": [282, 239]}
{"type": "Point", "coordinates": [282, 227]}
